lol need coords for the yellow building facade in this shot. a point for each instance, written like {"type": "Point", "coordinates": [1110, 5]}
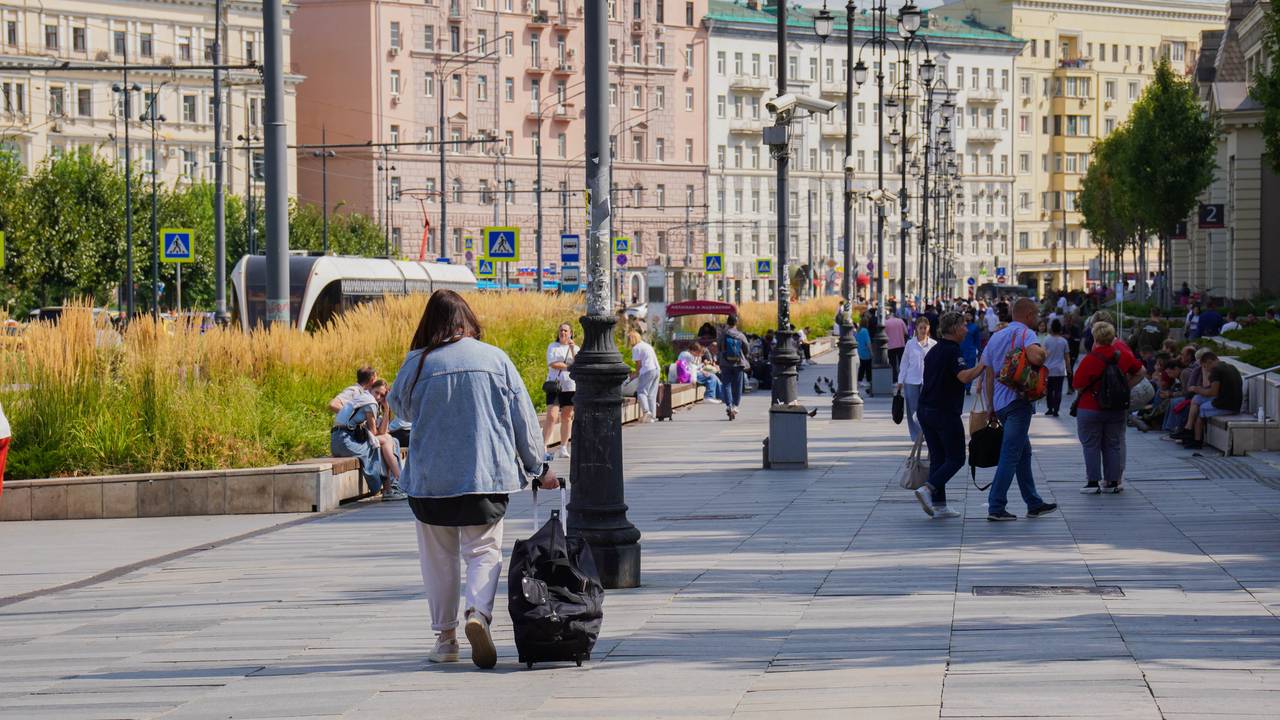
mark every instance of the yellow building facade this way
{"type": "Point", "coordinates": [1085, 63]}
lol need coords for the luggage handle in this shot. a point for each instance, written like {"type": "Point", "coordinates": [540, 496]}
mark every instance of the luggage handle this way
{"type": "Point", "coordinates": [562, 513]}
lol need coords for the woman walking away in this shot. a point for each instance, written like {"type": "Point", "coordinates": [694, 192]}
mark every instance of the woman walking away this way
{"type": "Point", "coordinates": [1103, 379]}
{"type": "Point", "coordinates": [946, 374]}
{"type": "Point", "coordinates": [475, 441]}
{"type": "Point", "coordinates": [911, 374]}
{"type": "Point", "coordinates": [646, 361]}
{"type": "Point", "coordinates": [1056, 353]}
{"type": "Point", "coordinates": [733, 365]}
{"type": "Point", "coordinates": [559, 388]}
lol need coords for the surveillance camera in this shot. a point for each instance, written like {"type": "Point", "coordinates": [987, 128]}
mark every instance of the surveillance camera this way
{"type": "Point", "coordinates": [788, 103]}
{"type": "Point", "coordinates": [849, 165]}
{"type": "Point", "coordinates": [781, 104]}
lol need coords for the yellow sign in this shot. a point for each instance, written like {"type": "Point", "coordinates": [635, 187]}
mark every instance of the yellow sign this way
{"type": "Point", "coordinates": [621, 245]}
{"type": "Point", "coordinates": [1, 248]}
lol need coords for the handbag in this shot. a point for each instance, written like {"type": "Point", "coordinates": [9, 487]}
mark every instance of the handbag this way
{"type": "Point", "coordinates": [978, 419]}
{"type": "Point", "coordinates": [915, 472]}
{"type": "Point", "coordinates": [899, 407]}
{"type": "Point", "coordinates": [1028, 380]}
{"type": "Point", "coordinates": [984, 449]}
{"type": "Point", "coordinates": [551, 387]}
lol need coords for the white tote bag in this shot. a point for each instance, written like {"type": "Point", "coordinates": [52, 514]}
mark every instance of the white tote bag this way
{"type": "Point", "coordinates": [915, 472]}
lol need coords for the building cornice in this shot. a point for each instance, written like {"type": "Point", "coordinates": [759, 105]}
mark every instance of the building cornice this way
{"type": "Point", "coordinates": [1167, 9]}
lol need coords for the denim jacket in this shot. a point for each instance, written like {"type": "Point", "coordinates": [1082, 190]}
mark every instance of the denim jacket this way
{"type": "Point", "coordinates": [474, 427]}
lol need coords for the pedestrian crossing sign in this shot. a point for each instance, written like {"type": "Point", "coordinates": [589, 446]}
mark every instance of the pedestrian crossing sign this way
{"type": "Point", "coordinates": [621, 245]}
{"type": "Point", "coordinates": [176, 245]}
{"type": "Point", "coordinates": [764, 267]}
{"type": "Point", "coordinates": [486, 269]}
{"type": "Point", "coordinates": [502, 244]}
{"type": "Point", "coordinates": [713, 263]}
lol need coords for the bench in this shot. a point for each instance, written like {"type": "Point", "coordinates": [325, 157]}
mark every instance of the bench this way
{"type": "Point", "coordinates": [1241, 434]}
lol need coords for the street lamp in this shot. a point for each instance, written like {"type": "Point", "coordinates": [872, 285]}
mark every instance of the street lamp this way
{"type": "Point", "coordinates": [823, 23]}
{"type": "Point", "coordinates": [909, 20]}
{"type": "Point", "coordinates": [151, 115]}
{"type": "Point", "coordinates": [251, 210]}
{"type": "Point", "coordinates": [127, 90]}
{"type": "Point", "coordinates": [324, 156]}
{"type": "Point", "coordinates": [847, 403]}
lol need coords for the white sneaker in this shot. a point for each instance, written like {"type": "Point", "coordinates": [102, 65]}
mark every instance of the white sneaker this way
{"type": "Point", "coordinates": [713, 401]}
{"type": "Point", "coordinates": [445, 651]}
{"type": "Point", "coordinates": [394, 493]}
{"type": "Point", "coordinates": [483, 653]}
{"type": "Point", "coordinates": [564, 451]}
{"type": "Point", "coordinates": [925, 495]}
{"type": "Point", "coordinates": [943, 512]}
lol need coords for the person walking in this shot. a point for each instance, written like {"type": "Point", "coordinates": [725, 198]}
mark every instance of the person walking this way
{"type": "Point", "coordinates": [864, 357]}
{"type": "Point", "coordinates": [911, 377]}
{"type": "Point", "coordinates": [895, 331]}
{"type": "Point", "coordinates": [1101, 429]}
{"type": "Point", "coordinates": [733, 365]}
{"type": "Point", "coordinates": [559, 388]}
{"type": "Point", "coordinates": [475, 442]}
{"type": "Point", "coordinates": [946, 375]}
{"type": "Point", "coordinates": [5, 435]}
{"type": "Point", "coordinates": [646, 371]}
{"type": "Point", "coordinates": [1014, 413]}
{"type": "Point", "coordinates": [1056, 352]}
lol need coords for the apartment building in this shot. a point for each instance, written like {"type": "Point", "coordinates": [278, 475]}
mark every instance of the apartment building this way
{"type": "Point", "coordinates": [47, 113]}
{"type": "Point", "coordinates": [976, 64]}
{"type": "Point", "coordinates": [1084, 65]}
{"type": "Point", "coordinates": [502, 74]}
{"type": "Point", "coordinates": [1234, 253]}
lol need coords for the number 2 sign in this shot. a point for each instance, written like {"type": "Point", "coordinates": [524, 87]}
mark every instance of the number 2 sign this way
{"type": "Point", "coordinates": [1212, 215]}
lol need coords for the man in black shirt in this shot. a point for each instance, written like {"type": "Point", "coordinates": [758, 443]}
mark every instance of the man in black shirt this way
{"type": "Point", "coordinates": [941, 405]}
{"type": "Point", "coordinates": [1222, 395]}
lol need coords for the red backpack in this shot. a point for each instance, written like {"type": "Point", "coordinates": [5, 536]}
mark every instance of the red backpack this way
{"type": "Point", "coordinates": [1018, 373]}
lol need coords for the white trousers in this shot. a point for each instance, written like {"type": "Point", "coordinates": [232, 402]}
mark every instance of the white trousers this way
{"type": "Point", "coordinates": [647, 393]}
{"type": "Point", "coordinates": [440, 550]}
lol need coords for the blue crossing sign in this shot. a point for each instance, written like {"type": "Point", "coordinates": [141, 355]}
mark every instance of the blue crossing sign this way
{"type": "Point", "coordinates": [713, 263]}
{"type": "Point", "coordinates": [764, 267]}
{"type": "Point", "coordinates": [176, 245]}
{"type": "Point", "coordinates": [621, 245]}
{"type": "Point", "coordinates": [502, 244]}
{"type": "Point", "coordinates": [486, 269]}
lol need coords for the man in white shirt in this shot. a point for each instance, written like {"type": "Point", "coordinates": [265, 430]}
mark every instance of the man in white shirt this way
{"type": "Point", "coordinates": [365, 377]}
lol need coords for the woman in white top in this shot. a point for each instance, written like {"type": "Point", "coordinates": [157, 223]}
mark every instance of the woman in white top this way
{"type": "Point", "coordinates": [559, 388]}
{"type": "Point", "coordinates": [911, 374]}
{"type": "Point", "coordinates": [646, 360]}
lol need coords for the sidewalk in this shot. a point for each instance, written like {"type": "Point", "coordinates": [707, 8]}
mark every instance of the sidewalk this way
{"type": "Point", "coordinates": [823, 593]}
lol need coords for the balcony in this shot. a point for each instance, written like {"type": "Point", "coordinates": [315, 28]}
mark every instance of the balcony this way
{"type": "Point", "coordinates": [749, 83]}
{"type": "Point", "coordinates": [745, 127]}
{"type": "Point", "coordinates": [984, 95]}
{"type": "Point", "coordinates": [455, 11]}
{"type": "Point", "coordinates": [539, 19]}
{"type": "Point", "coordinates": [564, 68]}
{"type": "Point", "coordinates": [832, 89]}
{"type": "Point", "coordinates": [984, 135]}
{"type": "Point", "coordinates": [637, 27]}
{"type": "Point", "coordinates": [564, 112]}
{"type": "Point", "coordinates": [535, 110]}
{"type": "Point", "coordinates": [1080, 63]}
{"type": "Point", "coordinates": [835, 130]}
{"type": "Point", "coordinates": [537, 66]}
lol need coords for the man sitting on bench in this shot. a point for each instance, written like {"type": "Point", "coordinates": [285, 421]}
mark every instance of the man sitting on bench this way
{"type": "Point", "coordinates": [1223, 395]}
{"type": "Point", "coordinates": [365, 377]}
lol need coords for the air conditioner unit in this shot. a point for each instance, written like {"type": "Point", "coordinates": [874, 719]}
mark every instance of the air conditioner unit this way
{"type": "Point", "coordinates": [393, 51]}
{"type": "Point", "coordinates": [1084, 102]}
{"type": "Point", "coordinates": [172, 152]}
{"type": "Point", "coordinates": [657, 31]}
{"type": "Point", "coordinates": [395, 98]}
{"type": "Point", "coordinates": [166, 59]}
{"type": "Point", "coordinates": [637, 26]}
{"type": "Point", "coordinates": [101, 56]}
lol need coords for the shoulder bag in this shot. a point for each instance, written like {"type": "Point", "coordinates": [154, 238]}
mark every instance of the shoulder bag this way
{"type": "Point", "coordinates": [915, 472]}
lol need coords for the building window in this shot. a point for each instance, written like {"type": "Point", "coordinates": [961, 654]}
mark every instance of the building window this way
{"type": "Point", "coordinates": [395, 82]}
{"type": "Point", "coordinates": [190, 166]}
{"type": "Point", "coordinates": [562, 145]}
{"type": "Point", "coordinates": [395, 188]}
{"type": "Point", "coordinates": [50, 37]}
{"type": "Point", "coordinates": [84, 102]}
{"type": "Point", "coordinates": [482, 87]}
{"type": "Point", "coordinates": [429, 85]}
{"type": "Point", "coordinates": [688, 14]}
{"type": "Point", "coordinates": [57, 101]}
{"type": "Point", "coordinates": [637, 147]}
{"type": "Point", "coordinates": [660, 97]}
{"type": "Point", "coordinates": [637, 97]}
{"type": "Point", "coordinates": [429, 38]}
{"type": "Point", "coordinates": [688, 99]}
{"type": "Point", "coordinates": [394, 137]}
{"type": "Point", "coordinates": [188, 108]}
{"type": "Point", "coordinates": [509, 89]}
{"type": "Point", "coordinates": [720, 63]}
{"type": "Point", "coordinates": [660, 150]}
{"type": "Point", "coordinates": [660, 54]}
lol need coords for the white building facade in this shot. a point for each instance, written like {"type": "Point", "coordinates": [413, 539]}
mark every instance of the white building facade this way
{"type": "Point", "coordinates": [977, 64]}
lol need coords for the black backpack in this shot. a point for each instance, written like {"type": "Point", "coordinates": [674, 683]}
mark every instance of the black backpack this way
{"type": "Point", "coordinates": [1113, 386]}
{"type": "Point", "coordinates": [554, 596]}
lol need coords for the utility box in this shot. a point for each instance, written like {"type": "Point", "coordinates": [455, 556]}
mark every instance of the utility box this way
{"type": "Point", "coordinates": [788, 444]}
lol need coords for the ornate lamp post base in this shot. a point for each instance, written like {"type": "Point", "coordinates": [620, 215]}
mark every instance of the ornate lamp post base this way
{"type": "Point", "coordinates": [597, 507]}
{"type": "Point", "coordinates": [847, 404]}
{"type": "Point", "coordinates": [788, 443]}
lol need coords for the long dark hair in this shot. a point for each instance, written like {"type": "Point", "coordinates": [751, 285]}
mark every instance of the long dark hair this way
{"type": "Point", "coordinates": [447, 318]}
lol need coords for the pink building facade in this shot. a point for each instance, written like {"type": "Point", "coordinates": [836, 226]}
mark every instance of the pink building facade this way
{"type": "Point", "coordinates": [506, 71]}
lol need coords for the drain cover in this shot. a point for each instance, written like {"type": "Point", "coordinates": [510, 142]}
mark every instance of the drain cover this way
{"type": "Point", "coordinates": [690, 518]}
{"type": "Point", "coordinates": [1048, 590]}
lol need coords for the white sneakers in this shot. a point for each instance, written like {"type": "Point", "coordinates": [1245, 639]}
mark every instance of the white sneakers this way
{"type": "Point", "coordinates": [483, 653]}
{"type": "Point", "coordinates": [445, 651]}
{"type": "Point", "coordinates": [564, 451]}
{"type": "Point", "coordinates": [924, 495]}
{"type": "Point", "coordinates": [943, 512]}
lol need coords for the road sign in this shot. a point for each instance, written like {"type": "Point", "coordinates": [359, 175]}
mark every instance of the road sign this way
{"type": "Point", "coordinates": [175, 244]}
{"type": "Point", "coordinates": [468, 244]}
{"type": "Point", "coordinates": [1001, 279]}
{"type": "Point", "coordinates": [713, 263]}
{"type": "Point", "coordinates": [569, 249]}
{"type": "Point", "coordinates": [1213, 215]}
{"type": "Point", "coordinates": [1000, 271]}
{"type": "Point", "coordinates": [982, 271]}
{"type": "Point", "coordinates": [569, 278]}
{"type": "Point", "coordinates": [486, 268]}
{"type": "Point", "coordinates": [871, 267]}
{"type": "Point", "coordinates": [1, 248]}
{"type": "Point", "coordinates": [621, 245]}
{"type": "Point", "coordinates": [470, 256]}
{"type": "Point", "coordinates": [502, 244]}
{"type": "Point", "coordinates": [971, 282]}
{"type": "Point", "coordinates": [764, 267]}
{"type": "Point", "coordinates": [622, 258]}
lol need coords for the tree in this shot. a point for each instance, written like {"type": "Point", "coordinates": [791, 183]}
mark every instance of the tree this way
{"type": "Point", "coordinates": [12, 177]}
{"type": "Point", "coordinates": [192, 207]}
{"type": "Point", "coordinates": [1266, 86]}
{"type": "Point", "coordinates": [1172, 148]}
{"type": "Point", "coordinates": [1104, 201]}
{"type": "Point", "coordinates": [349, 233]}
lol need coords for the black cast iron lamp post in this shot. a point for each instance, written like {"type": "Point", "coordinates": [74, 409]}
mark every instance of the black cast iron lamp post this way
{"type": "Point", "coordinates": [847, 403]}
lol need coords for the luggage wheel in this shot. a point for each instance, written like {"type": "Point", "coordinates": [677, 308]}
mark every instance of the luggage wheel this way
{"type": "Point", "coordinates": [578, 660]}
{"type": "Point", "coordinates": [529, 665]}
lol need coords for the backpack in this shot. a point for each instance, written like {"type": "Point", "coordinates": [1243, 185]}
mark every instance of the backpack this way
{"type": "Point", "coordinates": [732, 349]}
{"type": "Point", "coordinates": [1017, 372]}
{"type": "Point", "coordinates": [1113, 388]}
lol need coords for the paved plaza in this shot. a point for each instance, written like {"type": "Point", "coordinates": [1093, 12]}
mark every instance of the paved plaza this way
{"type": "Point", "coordinates": [823, 593]}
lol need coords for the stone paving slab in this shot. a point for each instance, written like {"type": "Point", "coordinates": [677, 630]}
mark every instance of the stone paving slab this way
{"type": "Point", "coordinates": [827, 594]}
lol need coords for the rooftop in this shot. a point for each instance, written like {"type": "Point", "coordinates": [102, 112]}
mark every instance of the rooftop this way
{"type": "Point", "coordinates": [932, 27]}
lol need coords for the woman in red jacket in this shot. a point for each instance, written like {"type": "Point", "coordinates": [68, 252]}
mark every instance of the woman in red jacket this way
{"type": "Point", "coordinates": [1101, 430]}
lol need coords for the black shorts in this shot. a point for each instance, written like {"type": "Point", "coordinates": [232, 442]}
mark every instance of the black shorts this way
{"type": "Point", "coordinates": [560, 398]}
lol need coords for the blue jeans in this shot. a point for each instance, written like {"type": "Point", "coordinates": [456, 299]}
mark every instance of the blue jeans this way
{"type": "Point", "coordinates": [712, 384]}
{"type": "Point", "coordinates": [911, 393]}
{"type": "Point", "coordinates": [944, 434]}
{"type": "Point", "coordinates": [1015, 458]}
{"type": "Point", "coordinates": [1175, 420]}
{"type": "Point", "coordinates": [732, 378]}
